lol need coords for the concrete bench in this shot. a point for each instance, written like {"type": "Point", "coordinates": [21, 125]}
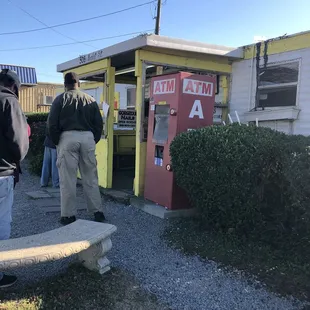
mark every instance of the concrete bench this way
{"type": "Point", "coordinates": [90, 240]}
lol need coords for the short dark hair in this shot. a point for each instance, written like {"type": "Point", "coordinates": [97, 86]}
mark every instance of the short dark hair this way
{"type": "Point", "coordinates": [71, 78]}
{"type": "Point", "coordinates": [6, 80]}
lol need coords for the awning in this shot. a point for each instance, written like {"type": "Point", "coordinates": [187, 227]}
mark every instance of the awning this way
{"type": "Point", "coordinates": [27, 75]}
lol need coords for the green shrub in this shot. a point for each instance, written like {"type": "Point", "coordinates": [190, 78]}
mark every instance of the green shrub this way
{"type": "Point", "coordinates": [248, 182]}
{"type": "Point", "coordinates": [36, 117]}
{"type": "Point", "coordinates": [36, 147]}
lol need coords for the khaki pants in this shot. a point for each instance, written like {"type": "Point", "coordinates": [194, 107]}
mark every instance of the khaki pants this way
{"type": "Point", "coordinates": [76, 150]}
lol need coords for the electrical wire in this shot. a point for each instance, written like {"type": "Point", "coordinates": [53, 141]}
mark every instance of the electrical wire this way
{"type": "Point", "coordinates": [76, 21]}
{"type": "Point", "coordinates": [73, 43]}
{"type": "Point", "coordinates": [48, 27]}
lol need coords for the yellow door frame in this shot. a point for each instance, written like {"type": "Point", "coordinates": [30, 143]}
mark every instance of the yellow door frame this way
{"type": "Point", "coordinates": [140, 160]}
{"type": "Point", "coordinates": [104, 149]}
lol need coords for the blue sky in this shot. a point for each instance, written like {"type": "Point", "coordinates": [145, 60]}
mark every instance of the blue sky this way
{"type": "Point", "coordinates": [224, 22]}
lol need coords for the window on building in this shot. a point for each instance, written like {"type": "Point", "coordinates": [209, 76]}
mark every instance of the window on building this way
{"type": "Point", "coordinates": [278, 85]}
{"type": "Point", "coordinates": [48, 100]}
{"type": "Point", "coordinates": [131, 98]}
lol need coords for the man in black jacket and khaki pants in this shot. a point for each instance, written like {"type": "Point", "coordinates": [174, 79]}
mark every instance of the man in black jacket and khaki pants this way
{"type": "Point", "coordinates": [75, 126]}
{"type": "Point", "coordinates": [14, 144]}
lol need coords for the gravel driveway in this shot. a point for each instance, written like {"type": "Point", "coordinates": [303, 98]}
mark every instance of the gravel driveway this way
{"type": "Point", "coordinates": [184, 282]}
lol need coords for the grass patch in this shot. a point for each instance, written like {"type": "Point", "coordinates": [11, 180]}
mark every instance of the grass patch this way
{"type": "Point", "coordinates": [281, 272]}
{"type": "Point", "coordinates": [78, 289]}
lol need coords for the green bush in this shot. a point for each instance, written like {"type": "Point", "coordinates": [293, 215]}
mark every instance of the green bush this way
{"type": "Point", "coordinates": [247, 182]}
{"type": "Point", "coordinates": [37, 123]}
{"type": "Point", "coordinates": [36, 117]}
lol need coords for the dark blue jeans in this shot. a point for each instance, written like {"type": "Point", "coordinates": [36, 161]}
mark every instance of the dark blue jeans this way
{"type": "Point", "coordinates": [49, 168]}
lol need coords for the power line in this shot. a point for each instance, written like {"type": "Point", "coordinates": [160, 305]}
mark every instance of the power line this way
{"type": "Point", "coordinates": [73, 43]}
{"type": "Point", "coordinates": [48, 27]}
{"type": "Point", "coordinates": [77, 21]}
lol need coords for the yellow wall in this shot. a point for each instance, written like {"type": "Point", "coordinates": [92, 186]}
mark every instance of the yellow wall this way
{"type": "Point", "coordinates": [275, 46]}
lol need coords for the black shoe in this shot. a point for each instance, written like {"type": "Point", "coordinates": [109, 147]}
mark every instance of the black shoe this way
{"type": "Point", "coordinates": [99, 216]}
{"type": "Point", "coordinates": [7, 281]}
{"type": "Point", "coordinates": [67, 220]}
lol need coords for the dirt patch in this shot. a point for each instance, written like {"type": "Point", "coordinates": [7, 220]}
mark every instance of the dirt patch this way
{"type": "Point", "coordinates": [80, 289]}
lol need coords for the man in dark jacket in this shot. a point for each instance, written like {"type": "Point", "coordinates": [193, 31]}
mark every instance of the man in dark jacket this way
{"type": "Point", "coordinates": [75, 126]}
{"type": "Point", "coordinates": [14, 144]}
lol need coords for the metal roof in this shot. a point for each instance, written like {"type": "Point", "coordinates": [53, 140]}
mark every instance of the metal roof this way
{"type": "Point", "coordinates": [27, 75]}
{"type": "Point", "coordinates": [122, 53]}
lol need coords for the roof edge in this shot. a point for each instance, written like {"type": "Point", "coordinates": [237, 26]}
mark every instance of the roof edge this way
{"type": "Point", "coordinates": [118, 48]}
{"type": "Point", "coordinates": [193, 46]}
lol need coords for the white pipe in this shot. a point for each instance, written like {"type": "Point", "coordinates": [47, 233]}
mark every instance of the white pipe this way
{"type": "Point", "coordinates": [238, 119]}
{"type": "Point", "coordinates": [251, 78]}
{"type": "Point", "coordinates": [230, 119]}
{"type": "Point", "coordinates": [256, 121]}
{"type": "Point", "coordinates": [224, 123]}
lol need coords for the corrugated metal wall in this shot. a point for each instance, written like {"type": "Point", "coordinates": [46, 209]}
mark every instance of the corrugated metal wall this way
{"type": "Point", "coordinates": [32, 98]}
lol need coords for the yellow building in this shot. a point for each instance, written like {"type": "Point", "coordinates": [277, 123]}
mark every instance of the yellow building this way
{"type": "Point", "coordinates": [37, 98]}
{"type": "Point", "coordinates": [34, 96]}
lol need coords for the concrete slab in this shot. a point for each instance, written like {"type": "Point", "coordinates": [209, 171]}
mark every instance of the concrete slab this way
{"type": "Point", "coordinates": [52, 190]}
{"type": "Point", "coordinates": [56, 209]}
{"type": "Point", "coordinates": [38, 194]}
{"type": "Point", "coordinates": [119, 196]}
{"type": "Point", "coordinates": [50, 202]}
{"type": "Point", "coordinates": [52, 205]}
{"type": "Point", "coordinates": [55, 195]}
{"type": "Point", "coordinates": [160, 211]}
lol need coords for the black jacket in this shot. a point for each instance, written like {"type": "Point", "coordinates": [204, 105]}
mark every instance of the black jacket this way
{"type": "Point", "coordinates": [14, 141]}
{"type": "Point", "coordinates": [74, 110]}
{"type": "Point", "coordinates": [48, 141]}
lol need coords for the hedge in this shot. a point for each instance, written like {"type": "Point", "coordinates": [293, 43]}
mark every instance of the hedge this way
{"type": "Point", "coordinates": [36, 117]}
{"type": "Point", "coordinates": [248, 182]}
{"type": "Point", "coordinates": [37, 122]}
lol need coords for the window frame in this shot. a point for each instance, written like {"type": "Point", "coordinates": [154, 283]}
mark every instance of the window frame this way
{"type": "Point", "coordinates": [128, 89]}
{"type": "Point", "coordinates": [281, 85]}
{"type": "Point", "coordinates": [44, 100]}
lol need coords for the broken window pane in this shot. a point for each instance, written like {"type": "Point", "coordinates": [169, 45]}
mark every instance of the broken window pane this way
{"type": "Point", "coordinates": [283, 73]}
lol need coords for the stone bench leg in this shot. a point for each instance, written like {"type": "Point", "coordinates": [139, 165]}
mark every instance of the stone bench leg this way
{"type": "Point", "coordinates": [94, 258]}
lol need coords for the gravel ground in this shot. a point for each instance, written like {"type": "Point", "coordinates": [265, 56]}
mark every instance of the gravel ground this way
{"type": "Point", "coordinates": [184, 282]}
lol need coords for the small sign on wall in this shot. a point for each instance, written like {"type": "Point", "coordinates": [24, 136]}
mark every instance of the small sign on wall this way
{"type": "Point", "coordinates": [127, 118]}
{"type": "Point", "coordinates": [217, 115]}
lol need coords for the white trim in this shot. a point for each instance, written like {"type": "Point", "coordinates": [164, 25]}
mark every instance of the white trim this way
{"type": "Point", "coordinates": [298, 83]}
{"type": "Point", "coordinates": [289, 113]}
{"type": "Point", "coordinates": [278, 85]}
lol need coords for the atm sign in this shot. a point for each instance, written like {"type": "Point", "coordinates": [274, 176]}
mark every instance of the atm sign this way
{"type": "Point", "coordinates": [164, 87]}
{"type": "Point", "coordinates": [194, 87]}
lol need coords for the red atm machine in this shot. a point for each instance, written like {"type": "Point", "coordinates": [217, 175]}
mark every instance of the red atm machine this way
{"type": "Point", "coordinates": [178, 102]}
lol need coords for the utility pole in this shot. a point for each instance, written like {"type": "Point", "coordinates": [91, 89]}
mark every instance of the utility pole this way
{"type": "Point", "coordinates": [158, 17]}
{"type": "Point", "coordinates": [159, 69]}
